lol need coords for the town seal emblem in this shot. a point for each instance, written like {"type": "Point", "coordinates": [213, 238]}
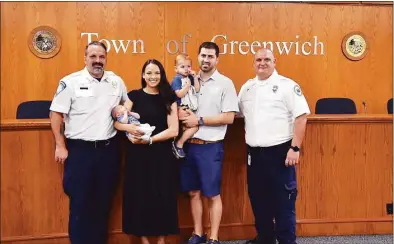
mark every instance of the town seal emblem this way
{"type": "Point", "coordinates": [354, 46]}
{"type": "Point", "coordinates": [44, 42]}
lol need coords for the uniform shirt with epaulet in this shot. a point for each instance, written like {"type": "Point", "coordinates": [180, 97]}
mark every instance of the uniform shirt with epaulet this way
{"type": "Point", "coordinates": [217, 95]}
{"type": "Point", "coordinates": [87, 104]}
{"type": "Point", "coordinates": [269, 108]}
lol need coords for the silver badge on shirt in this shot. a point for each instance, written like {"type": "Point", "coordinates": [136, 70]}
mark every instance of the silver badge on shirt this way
{"type": "Point", "coordinates": [114, 84]}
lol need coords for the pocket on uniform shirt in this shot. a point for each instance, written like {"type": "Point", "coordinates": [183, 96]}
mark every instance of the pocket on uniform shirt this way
{"type": "Point", "coordinates": [114, 92]}
{"type": "Point", "coordinates": [247, 105]}
{"type": "Point", "coordinates": [271, 100]}
{"type": "Point", "coordinates": [113, 98]}
{"type": "Point", "coordinates": [84, 100]}
{"type": "Point", "coordinates": [83, 93]}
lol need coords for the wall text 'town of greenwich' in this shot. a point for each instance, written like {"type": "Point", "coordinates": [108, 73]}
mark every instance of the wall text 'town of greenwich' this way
{"type": "Point", "coordinates": [226, 45]}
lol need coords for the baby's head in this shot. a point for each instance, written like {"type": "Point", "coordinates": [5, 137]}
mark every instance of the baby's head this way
{"type": "Point", "coordinates": [183, 64]}
{"type": "Point", "coordinates": [117, 111]}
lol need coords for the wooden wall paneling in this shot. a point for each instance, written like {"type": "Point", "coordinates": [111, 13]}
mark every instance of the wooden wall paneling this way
{"type": "Point", "coordinates": [353, 228]}
{"type": "Point", "coordinates": [234, 180]}
{"type": "Point", "coordinates": [344, 180]}
{"type": "Point", "coordinates": [377, 2]}
{"type": "Point", "coordinates": [32, 195]}
{"type": "Point", "coordinates": [26, 77]}
{"type": "Point", "coordinates": [340, 180]}
{"type": "Point", "coordinates": [125, 21]}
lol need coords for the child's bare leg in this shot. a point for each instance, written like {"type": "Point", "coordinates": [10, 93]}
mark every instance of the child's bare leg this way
{"type": "Point", "coordinates": [187, 134]}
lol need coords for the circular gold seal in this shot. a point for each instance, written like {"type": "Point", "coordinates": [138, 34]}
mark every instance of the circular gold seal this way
{"type": "Point", "coordinates": [354, 46]}
{"type": "Point", "coordinates": [44, 42]}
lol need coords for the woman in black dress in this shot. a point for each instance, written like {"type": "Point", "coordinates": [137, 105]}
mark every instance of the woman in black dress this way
{"type": "Point", "coordinates": [150, 182]}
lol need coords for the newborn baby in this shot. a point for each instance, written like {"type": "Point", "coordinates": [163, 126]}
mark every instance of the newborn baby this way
{"type": "Point", "coordinates": [120, 114]}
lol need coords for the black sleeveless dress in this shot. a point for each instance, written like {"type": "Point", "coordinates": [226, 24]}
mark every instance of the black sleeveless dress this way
{"type": "Point", "coordinates": [151, 175]}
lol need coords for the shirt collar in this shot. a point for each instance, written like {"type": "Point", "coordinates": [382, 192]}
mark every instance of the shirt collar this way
{"type": "Point", "coordinates": [92, 79]}
{"type": "Point", "coordinates": [271, 78]}
{"type": "Point", "coordinates": [215, 75]}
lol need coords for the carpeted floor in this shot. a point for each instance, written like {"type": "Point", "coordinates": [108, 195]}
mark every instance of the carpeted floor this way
{"type": "Point", "coordinates": [370, 239]}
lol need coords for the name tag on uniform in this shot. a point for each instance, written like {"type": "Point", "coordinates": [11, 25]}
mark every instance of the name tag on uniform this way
{"type": "Point", "coordinates": [83, 90]}
{"type": "Point", "coordinates": [84, 86]}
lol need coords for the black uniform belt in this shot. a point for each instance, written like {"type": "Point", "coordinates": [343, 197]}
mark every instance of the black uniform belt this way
{"type": "Point", "coordinates": [95, 144]}
{"type": "Point", "coordinates": [285, 144]}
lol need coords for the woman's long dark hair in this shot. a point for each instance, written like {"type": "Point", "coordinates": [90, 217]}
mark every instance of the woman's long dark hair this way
{"type": "Point", "coordinates": [164, 86]}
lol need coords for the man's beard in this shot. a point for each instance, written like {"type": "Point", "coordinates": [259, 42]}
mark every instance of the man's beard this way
{"type": "Point", "coordinates": [207, 69]}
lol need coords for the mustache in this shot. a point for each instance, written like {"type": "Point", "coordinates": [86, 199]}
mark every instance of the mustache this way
{"type": "Point", "coordinates": [99, 64]}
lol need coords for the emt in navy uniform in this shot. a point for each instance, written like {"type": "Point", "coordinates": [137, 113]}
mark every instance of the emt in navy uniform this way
{"type": "Point", "coordinates": [201, 173]}
{"type": "Point", "coordinates": [88, 147]}
{"type": "Point", "coordinates": [275, 113]}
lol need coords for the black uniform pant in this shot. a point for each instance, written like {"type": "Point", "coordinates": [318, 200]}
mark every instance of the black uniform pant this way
{"type": "Point", "coordinates": [272, 189]}
{"type": "Point", "coordinates": [90, 177]}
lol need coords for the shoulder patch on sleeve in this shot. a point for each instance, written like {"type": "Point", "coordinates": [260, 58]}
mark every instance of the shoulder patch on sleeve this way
{"type": "Point", "coordinates": [61, 87]}
{"type": "Point", "coordinates": [297, 90]}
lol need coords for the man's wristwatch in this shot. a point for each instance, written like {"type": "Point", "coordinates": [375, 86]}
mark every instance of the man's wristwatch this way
{"type": "Point", "coordinates": [201, 121]}
{"type": "Point", "coordinates": [295, 148]}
